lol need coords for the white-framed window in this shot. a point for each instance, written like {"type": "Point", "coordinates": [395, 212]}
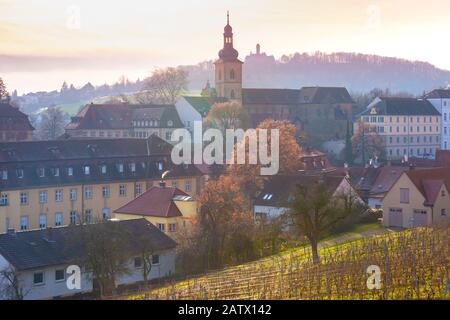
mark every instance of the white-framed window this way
{"type": "Point", "coordinates": [4, 200]}
{"type": "Point", "coordinates": [103, 169]}
{"type": "Point", "coordinates": [58, 219]}
{"type": "Point", "coordinates": [73, 217]}
{"type": "Point", "coordinates": [133, 167]}
{"type": "Point", "coordinates": [105, 213]}
{"type": "Point", "coordinates": [73, 194]}
{"type": "Point", "coordinates": [42, 221]}
{"type": "Point", "coordinates": [38, 278]}
{"type": "Point", "coordinates": [120, 167]}
{"type": "Point", "coordinates": [87, 170]}
{"type": "Point", "coordinates": [70, 171]}
{"type": "Point", "coordinates": [88, 193]}
{"type": "Point", "coordinates": [58, 195]}
{"type": "Point", "coordinates": [24, 198]}
{"type": "Point", "coordinates": [172, 227]}
{"type": "Point", "coordinates": [42, 196]}
{"type": "Point", "coordinates": [4, 174]}
{"type": "Point", "coordinates": [138, 262]}
{"type": "Point", "coordinates": [56, 172]}
{"type": "Point", "coordinates": [41, 172]}
{"type": "Point", "coordinates": [161, 227]}
{"type": "Point", "coordinates": [60, 275]}
{"type": "Point", "coordinates": [122, 190]}
{"type": "Point", "coordinates": [20, 173]}
{"type": "Point", "coordinates": [105, 191]}
{"type": "Point", "coordinates": [138, 189]}
{"type": "Point", "coordinates": [404, 195]}
{"type": "Point", "coordinates": [188, 186]}
{"type": "Point", "coordinates": [155, 259]}
{"type": "Point", "coordinates": [24, 223]}
{"type": "Point", "coordinates": [87, 216]}
{"type": "Point", "coordinates": [174, 184]}
{"type": "Point", "coordinates": [160, 166]}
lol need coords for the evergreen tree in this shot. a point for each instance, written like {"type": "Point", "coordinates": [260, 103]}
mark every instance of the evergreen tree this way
{"type": "Point", "coordinates": [348, 145]}
{"type": "Point", "coordinates": [4, 95]}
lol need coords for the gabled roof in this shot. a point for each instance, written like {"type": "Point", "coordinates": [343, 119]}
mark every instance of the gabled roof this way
{"type": "Point", "coordinates": [270, 96]}
{"type": "Point", "coordinates": [155, 202]}
{"type": "Point", "coordinates": [429, 182]}
{"type": "Point", "coordinates": [386, 177]}
{"type": "Point", "coordinates": [278, 189]}
{"type": "Point", "coordinates": [401, 106]}
{"type": "Point", "coordinates": [120, 116]}
{"type": "Point", "coordinates": [20, 119]}
{"type": "Point", "coordinates": [438, 94]}
{"type": "Point", "coordinates": [324, 95]}
{"type": "Point", "coordinates": [32, 249]}
{"type": "Point", "coordinates": [76, 149]}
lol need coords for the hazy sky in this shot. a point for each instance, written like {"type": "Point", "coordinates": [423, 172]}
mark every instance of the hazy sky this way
{"type": "Point", "coordinates": [44, 42]}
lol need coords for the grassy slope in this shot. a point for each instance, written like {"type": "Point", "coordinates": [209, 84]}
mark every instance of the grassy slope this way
{"type": "Point", "coordinates": [290, 274]}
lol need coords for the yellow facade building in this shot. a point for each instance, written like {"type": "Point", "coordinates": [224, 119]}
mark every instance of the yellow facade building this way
{"type": "Point", "coordinates": [55, 183]}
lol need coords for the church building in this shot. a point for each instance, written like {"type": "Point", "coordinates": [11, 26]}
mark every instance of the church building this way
{"type": "Point", "coordinates": [321, 113]}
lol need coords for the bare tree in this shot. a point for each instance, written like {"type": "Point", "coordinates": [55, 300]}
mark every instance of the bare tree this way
{"type": "Point", "coordinates": [314, 211]}
{"type": "Point", "coordinates": [10, 285]}
{"type": "Point", "coordinates": [51, 124]}
{"type": "Point", "coordinates": [164, 86]}
{"type": "Point", "coordinates": [104, 252]}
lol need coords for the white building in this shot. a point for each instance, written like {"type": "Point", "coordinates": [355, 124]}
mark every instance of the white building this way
{"type": "Point", "coordinates": [40, 261]}
{"type": "Point", "coordinates": [440, 99]}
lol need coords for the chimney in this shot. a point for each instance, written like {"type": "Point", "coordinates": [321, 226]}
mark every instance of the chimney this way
{"type": "Point", "coordinates": [162, 184]}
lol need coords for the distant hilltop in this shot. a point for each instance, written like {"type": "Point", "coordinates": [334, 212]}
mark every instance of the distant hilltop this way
{"type": "Point", "coordinates": [355, 71]}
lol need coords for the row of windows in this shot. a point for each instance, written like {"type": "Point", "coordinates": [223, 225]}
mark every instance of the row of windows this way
{"type": "Point", "coordinates": [60, 274]}
{"type": "Point", "coordinates": [150, 123]}
{"type": "Point", "coordinates": [172, 227]}
{"type": "Point", "coordinates": [419, 151]}
{"type": "Point", "coordinates": [425, 139]}
{"type": "Point", "coordinates": [88, 193]}
{"type": "Point", "coordinates": [145, 134]}
{"type": "Point", "coordinates": [86, 170]}
{"type": "Point", "coordinates": [58, 219]}
{"type": "Point", "coordinates": [380, 119]}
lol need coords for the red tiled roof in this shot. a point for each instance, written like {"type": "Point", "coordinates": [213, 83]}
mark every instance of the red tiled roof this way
{"type": "Point", "coordinates": [429, 181]}
{"type": "Point", "coordinates": [155, 202]}
{"type": "Point", "coordinates": [386, 177]}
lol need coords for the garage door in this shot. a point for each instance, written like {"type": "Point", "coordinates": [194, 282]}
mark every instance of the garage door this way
{"type": "Point", "coordinates": [395, 217]}
{"type": "Point", "coordinates": [420, 218]}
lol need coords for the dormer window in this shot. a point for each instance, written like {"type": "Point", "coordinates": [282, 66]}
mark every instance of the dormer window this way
{"type": "Point", "coordinates": [103, 168]}
{"type": "Point", "coordinates": [120, 167]}
{"type": "Point", "coordinates": [87, 170]}
{"type": "Point", "coordinates": [20, 173]}
{"type": "Point", "coordinates": [133, 167]}
{"type": "Point", "coordinates": [41, 172]}
{"type": "Point", "coordinates": [160, 165]}
{"type": "Point", "coordinates": [169, 123]}
{"type": "Point", "coordinates": [70, 171]}
{"type": "Point", "coordinates": [4, 174]}
{"type": "Point", "coordinates": [267, 196]}
{"type": "Point", "coordinates": [55, 172]}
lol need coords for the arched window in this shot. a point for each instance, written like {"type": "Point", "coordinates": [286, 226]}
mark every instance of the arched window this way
{"type": "Point", "coordinates": [232, 94]}
{"type": "Point", "coordinates": [232, 74]}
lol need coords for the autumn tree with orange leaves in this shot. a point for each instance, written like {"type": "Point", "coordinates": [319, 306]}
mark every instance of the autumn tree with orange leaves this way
{"type": "Point", "coordinates": [248, 175]}
{"type": "Point", "coordinates": [223, 216]}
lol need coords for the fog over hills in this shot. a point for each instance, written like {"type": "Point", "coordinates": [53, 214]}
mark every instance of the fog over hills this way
{"type": "Point", "coordinates": [357, 72]}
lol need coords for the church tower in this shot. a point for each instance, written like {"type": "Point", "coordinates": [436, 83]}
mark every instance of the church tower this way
{"type": "Point", "coordinates": [228, 69]}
